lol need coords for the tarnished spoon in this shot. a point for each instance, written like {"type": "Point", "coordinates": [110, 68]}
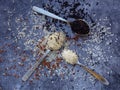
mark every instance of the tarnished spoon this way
{"type": "Point", "coordinates": [54, 42]}
{"type": "Point", "coordinates": [71, 57]}
{"type": "Point", "coordinates": [78, 26]}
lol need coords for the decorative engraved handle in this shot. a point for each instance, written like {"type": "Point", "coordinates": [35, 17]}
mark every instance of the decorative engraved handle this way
{"type": "Point", "coordinates": [94, 74]}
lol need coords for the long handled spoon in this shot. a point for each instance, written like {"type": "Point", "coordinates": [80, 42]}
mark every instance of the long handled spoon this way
{"type": "Point", "coordinates": [78, 26]}
{"type": "Point", "coordinates": [55, 42]}
{"type": "Point", "coordinates": [72, 58]}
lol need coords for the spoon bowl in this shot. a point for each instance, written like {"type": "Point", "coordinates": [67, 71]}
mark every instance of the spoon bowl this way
{"type": "Point", "coordinates": [80, 27]}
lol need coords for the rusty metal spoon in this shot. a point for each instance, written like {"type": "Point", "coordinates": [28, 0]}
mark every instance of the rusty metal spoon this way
{"type": "Point", "coordinates": [54, 42]}
{"type": "Point", "coordinates": [78, 26]}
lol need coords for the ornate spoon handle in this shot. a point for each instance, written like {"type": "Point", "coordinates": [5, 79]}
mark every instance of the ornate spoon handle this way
{"type": "Point", "coordinates": [94, 74]}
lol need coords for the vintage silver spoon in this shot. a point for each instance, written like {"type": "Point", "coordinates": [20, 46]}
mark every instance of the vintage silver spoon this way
{"type": "Point", "coordinates": [78, 26]}
{"type": "Point", "coordinates": [54, 42]}
{"type": "Point", "coordinates": [71, 57]}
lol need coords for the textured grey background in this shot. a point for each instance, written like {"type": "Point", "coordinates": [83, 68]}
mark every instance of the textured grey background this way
{"type": "Point", "coordinates": [95, 10]}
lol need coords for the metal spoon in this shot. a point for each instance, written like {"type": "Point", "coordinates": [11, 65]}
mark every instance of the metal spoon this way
{"type": "Point", "coordinates": [78, 26]}
{"type": "Point", "coordinates": [71, 57]}
{"type": "Point", "coordinates": [60, 37]}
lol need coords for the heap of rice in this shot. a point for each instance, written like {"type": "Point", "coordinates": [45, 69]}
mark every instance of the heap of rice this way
{"type": "Point", "coordinates": [69, 56]}
{"type": "Point", "coordinates": [56, 40]}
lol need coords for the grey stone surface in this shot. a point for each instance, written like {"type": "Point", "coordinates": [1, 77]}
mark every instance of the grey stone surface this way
{"type": "Point", "coordinates": [99, 51]}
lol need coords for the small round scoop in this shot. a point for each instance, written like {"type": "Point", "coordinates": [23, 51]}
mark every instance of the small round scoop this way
{"type": "Point", "coordinates": [72, 58]}
{"type": "Point", "coordinates": [54, 42]}
{"type": "Point", "coordinates": [69, 56]}
{"type": "Point", "coordinates": [78, 26]}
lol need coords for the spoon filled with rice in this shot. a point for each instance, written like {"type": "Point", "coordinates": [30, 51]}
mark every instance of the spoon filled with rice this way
{"type": "Point", "coordinates": [54, 42]}
{"type": "Point", "coordinates": [71, 57]}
